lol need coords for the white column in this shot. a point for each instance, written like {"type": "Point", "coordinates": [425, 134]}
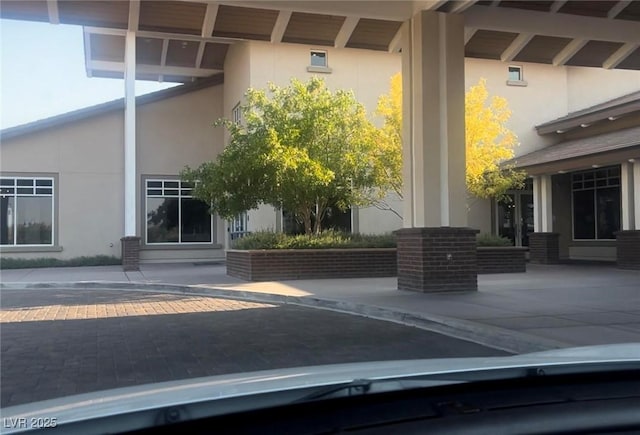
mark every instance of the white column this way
{"type": "Point", "coordinates": [130, 135]}
{"type": "Point", "coordinates": [636, 193]}
{"type": "Point", "coordinates": [627, 191]}
{"type": "Point", "coordinates": [433, 104]}
{"type": "Point", "coordinates": [546, 201]}
{"type": "Point", "coordinates": [542, 200]}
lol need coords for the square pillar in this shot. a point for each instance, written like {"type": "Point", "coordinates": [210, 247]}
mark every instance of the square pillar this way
{"type": "Point", "coordinates": [544, 248]}
{"type": "Point", "coordinates": [628, 240]}
{"type": "Point", "coordinates": [437, 259]}
{"type": "Point", "coordinates": [436, 251]}
{"type": "Point", "coordinates": [544, 244]}
{"type": "Point", "coordinates": [130, 242]}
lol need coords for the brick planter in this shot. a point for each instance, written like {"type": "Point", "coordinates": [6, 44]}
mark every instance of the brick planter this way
{"type": "Point", "coordinates": [501, 259]}
{"type": "Point", "coordinates": [544, 248]}
{"type": "Point", "coordinates": [437, 259]}
{"type": "Point", "coordinates": [628, 249]}
{"type": "Point", "coordinates": [285, 264]}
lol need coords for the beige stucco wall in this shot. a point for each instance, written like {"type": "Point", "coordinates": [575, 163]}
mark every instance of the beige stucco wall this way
{"type": "Point", "coordinates": [172, 134]}
{"type": "Point", "coordinates": [87, 156]}
{"type": "Point", "coordinates": [590, 86]}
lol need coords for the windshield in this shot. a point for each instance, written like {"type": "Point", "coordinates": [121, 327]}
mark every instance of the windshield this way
{"type": "Point", "coordinates": [192, 189]}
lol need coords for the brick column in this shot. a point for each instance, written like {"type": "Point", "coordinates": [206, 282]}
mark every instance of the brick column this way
{"type": "Point", "coordinates": [437, 259]}
{"type": "Point", "coordinates": [628, 249]}
{"type": "Point", "coordinates": [544, 248]}
{"type": "Point", "coordinates": [130, 253]}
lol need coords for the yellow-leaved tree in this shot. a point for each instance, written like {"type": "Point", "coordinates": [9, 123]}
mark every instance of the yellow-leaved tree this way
{"type": "Point", "coordinates": [488, 141]}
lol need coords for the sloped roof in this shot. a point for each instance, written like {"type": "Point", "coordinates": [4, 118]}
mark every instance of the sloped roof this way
{"type": "Point", "coordinates": [607, 142]}
{"type": "Point", "coordinates": [109, 106]}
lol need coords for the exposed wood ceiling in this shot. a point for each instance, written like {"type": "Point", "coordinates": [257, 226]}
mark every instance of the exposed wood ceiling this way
{"type": "Point", "coordinates": [181, 40]}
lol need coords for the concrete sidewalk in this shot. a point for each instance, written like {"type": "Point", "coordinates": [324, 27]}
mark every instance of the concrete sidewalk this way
{"type": "Point", "coordinates": [549, 306]}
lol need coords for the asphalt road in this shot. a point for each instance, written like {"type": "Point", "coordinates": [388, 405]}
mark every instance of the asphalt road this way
{"type": "Point", "coordinates": [61, 342]}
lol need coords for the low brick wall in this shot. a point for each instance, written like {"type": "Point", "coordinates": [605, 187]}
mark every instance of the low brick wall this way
{"type": "Point", "coordinates": [501, 259]}
{"type": "Point", "coordinates": [628, 249]}
{"type": "Point", "coordinates": [284, 264]}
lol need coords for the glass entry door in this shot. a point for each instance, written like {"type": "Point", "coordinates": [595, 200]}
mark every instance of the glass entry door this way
{"type": "Point", "coordinates": [515, 217]}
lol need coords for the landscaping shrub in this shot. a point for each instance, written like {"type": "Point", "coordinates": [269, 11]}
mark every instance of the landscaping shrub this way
{"type": "Point", "coordinates": [324, 240]}
{"type": "Point", "coordinates": [27, 263]}
{"type": "Point", "coordinates": [486, 239]}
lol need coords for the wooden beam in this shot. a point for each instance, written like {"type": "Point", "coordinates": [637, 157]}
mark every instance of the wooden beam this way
{"type": "Point", "coordinates": [555, 7]}
{"type": "Point", "coordinates": [200, 54]}
{"type": "Point", "coordinates": [52, 8]}
{"type": "Point", "coordinates": [396, 43]}
{"type": "Point", "coordinates": [461, 6]}
{"type": "Point", "coordinates": [345, 32]}
{"type": "Point", "coordinates": [281, 26]}
{"type": "Point", "coordinates": [619, 7]}
{"type": "Point", "coordinates": [620, 54]}
{"type": "Point", "coordinates": [134, 15]}
{"type": "Point", "coordinates": [516, 47]}
{"type": "Point", "coordinates": [209, 19]}
{"type": "Point", "coordinates": [568, 52]}
{"type": "Point", "coordinates": [103, 65]}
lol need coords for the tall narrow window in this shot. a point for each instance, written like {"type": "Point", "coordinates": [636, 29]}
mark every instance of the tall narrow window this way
{"type": "Point", "coordinates": [174, 216]}
{"type": "Point", "coordinates": [26, 211]}
{"type": "Point", "coordinates": [596, 203]}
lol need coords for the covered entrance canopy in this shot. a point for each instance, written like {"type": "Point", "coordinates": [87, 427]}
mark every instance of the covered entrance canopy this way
{"type": "Point", "coordinates": [183, 40]}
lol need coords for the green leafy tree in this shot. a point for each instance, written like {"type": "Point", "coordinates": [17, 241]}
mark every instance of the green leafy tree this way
{"type": "Point", "coordinates": [300, 147]}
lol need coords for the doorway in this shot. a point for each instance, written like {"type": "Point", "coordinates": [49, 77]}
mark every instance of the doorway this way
{"type": "Point", "coordinates": [515, 217]}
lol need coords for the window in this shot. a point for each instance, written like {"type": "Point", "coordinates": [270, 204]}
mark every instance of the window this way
{"type": "Point", "coordinates": [174, 216]}
{"type": "Point", "coordinates": [515, 73]}
{"type": "Point", "coordinates": [319, 58]}
{"type": "Point", "coordinates": [236, 114]}
{"type": "Point", "coordinates": [596, 203]}
{"type": "Point", "coordinates": [26, 211]}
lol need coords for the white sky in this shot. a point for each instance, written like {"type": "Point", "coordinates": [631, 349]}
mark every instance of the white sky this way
{"type": "Point", "coordinates": [42, 73]}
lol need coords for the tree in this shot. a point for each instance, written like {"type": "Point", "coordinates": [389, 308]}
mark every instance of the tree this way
{"type": "Point", "coordinates": [487, 139]}
{"type": "Point", "coordinates": [300, 147]}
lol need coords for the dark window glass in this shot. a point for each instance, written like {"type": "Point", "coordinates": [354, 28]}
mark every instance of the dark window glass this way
{"type": "Point", "coordinates": [171, 192]}
{"type": "Point", "coordinates": [25, 190]}
{"type": "Point", "coordinates": [7, 190]}
{"type": "Point", "coordinates": [608, 201]}
{"type": "Point", "coordinates": [196, 221]}
{"type": "Point", "coordinates": [614, 181]}
{"type": "Point", "coordinates": [154, 184]}
{"type": "Point", "coordinates": [44, 190]}
{"type": "Point", "coordinates": [588, 176]}
{"type": "Point", "coordinates": [583, 215]}
{"type": "Point", "coordinates": [44, 183]}
{"type": "Point", "coordinates": [515, 73]}
{"type": "Point", "coordinates": [7, 182]}
{"type": "Point", "coordinates": [577, 185]}
{"type": "Point", "coordinates": [7, 209]}
{"type": "Point", "coordinates": [601, 173]}
{"type": "Point", "coordinates": [34, 221]}
{"type": "Point", "coordinates": [601, 183]}
{"type": "Point", "coordinates": [162, 220]}
{"type": "Point", "coordinates": [157, 192]}
{"type": "Point", "coordinates": [171, 184]}
{"type": "Point", "coordinates": [588, 184]}
{"type": "Point", "coordinates": [318, 58]}
{"type": "Point", "coordinates": [613, 172]}
{"type": "Point", "coordinates": [25, 182]}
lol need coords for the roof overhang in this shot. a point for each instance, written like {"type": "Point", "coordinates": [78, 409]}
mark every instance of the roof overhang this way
{"type": "Point", "coordinates": [183, 40]}
{"type": "Point", "coordinates": [603, 149]}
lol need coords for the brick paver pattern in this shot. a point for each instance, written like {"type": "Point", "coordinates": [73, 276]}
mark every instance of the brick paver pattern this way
{"type": "Point", "coordinates": [55, 343]}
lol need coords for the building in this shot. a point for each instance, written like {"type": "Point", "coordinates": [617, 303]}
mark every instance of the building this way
{"type": "Point", "coordinates": [73, 175]}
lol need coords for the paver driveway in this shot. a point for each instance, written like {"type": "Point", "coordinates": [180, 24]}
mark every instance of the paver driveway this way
{"type": "Point", "coordinates": [60, 342]}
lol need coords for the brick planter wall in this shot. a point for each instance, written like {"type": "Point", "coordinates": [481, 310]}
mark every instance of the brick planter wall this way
{"type": "Point", "coordinates": [499, 259]}
{"type": "Point", "coordinates": [284, 264]}
{"type": "Point", "coordinates": [437, 259]}
{"type": "Point", "coordinates": [544, 248]}
{"type": "Point", "coordinates": [130, 253]}
{"type": "Point", "coordinates": [628, 249]}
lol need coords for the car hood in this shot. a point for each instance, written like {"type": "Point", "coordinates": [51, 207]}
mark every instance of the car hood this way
{"type": "Point", "coordinates": [239, 392]}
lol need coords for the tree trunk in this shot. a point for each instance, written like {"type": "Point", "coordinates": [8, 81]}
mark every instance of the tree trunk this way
{"type": "Point", "coordinates": [306, 219]}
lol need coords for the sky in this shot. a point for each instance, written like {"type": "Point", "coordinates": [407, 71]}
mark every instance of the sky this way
{"type": "Point", "coordinates": [42, 73]}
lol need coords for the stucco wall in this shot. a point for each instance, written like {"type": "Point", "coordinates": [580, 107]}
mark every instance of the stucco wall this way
{"type": "Point", "coordinates": [590, 86]}
{"type": "Point", "coordinates": [88, 157]}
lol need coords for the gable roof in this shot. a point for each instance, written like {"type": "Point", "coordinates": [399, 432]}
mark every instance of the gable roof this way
{"type": "Point", "coordinates": [109, 106]}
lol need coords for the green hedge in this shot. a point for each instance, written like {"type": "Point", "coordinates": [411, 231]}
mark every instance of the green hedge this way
{"type": "Point", "coordinates": [28, 263]}
{"type": "Point", "coordinates": [492, 240]}
{"type": "Point", "coordinates": [327, 239]}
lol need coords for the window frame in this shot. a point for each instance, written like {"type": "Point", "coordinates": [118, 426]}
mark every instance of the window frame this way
{"type": "Point", "coordinates": [318, 51]}
{"type": "Point", "coordinates": [210, 244]}
{"type": "Point", "coordinates": [518, 82]}
{"type": "Point", "coordinates": [236, 114]}
{"type": "Point", "coordinates": [15, 247]}
{"type": "Point", "coordinates": [594, 189]}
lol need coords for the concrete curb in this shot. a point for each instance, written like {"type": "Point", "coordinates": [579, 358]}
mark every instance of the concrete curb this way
{"type": "Point", "coordinates": [491, 336]}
